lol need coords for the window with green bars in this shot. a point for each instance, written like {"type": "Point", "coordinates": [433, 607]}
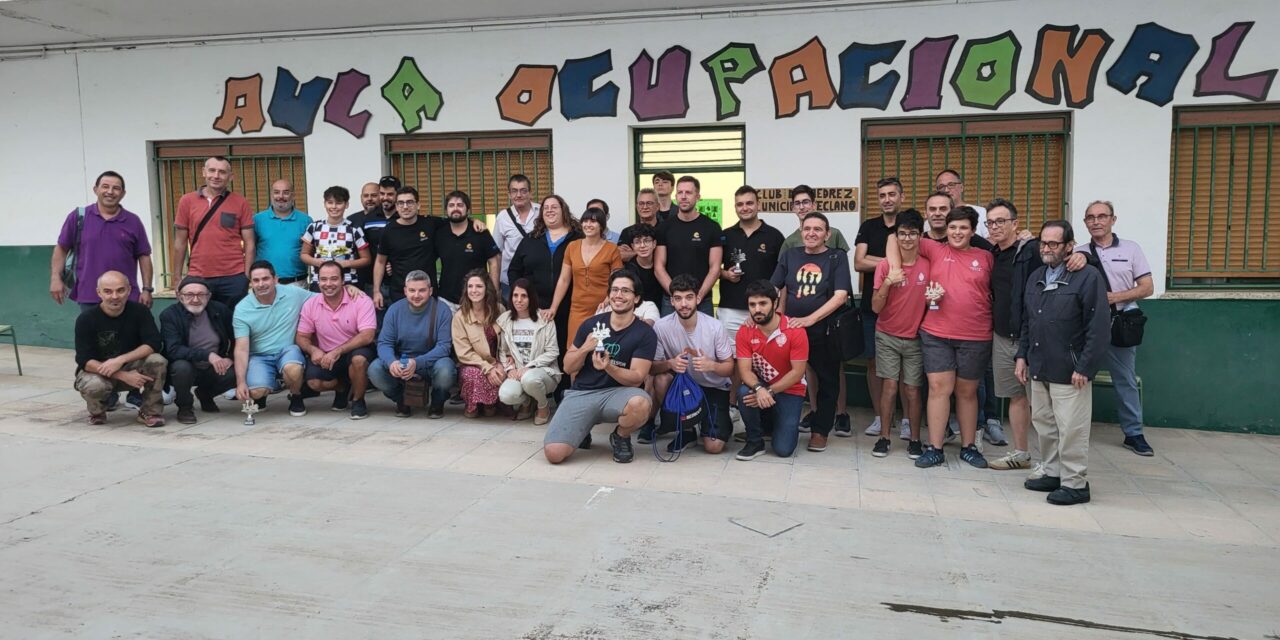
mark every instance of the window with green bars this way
{"type": "Point", "coordinates": [255, 164]}
{"type": "Point", "coordinates": [1018, 157]}
{"type": "Point", "coordinates": [477, 163]}
{"type": "Point", "coordinates": [1223, 175]}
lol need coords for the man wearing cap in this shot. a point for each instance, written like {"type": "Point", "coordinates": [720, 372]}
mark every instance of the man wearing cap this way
{"type": "Point", "coordinates": [198, 338]}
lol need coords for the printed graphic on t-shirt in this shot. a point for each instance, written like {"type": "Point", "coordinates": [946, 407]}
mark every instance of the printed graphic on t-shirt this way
{"type": "Point", "coordinates": [809, 276]}
{"type": "Point", "coordinates": [763, 369]}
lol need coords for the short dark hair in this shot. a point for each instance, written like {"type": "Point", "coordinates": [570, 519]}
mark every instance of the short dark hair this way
{"type": "Point", "coordinates": [517, 177]}
{"type": "Point", "coordinates": [762, 289]}
{"type": "Point", "coordinates": [108, 174]}
{"type": "Point", "coordinates": [461, 195]}
{"type": "Point", "coordinates": [636, 282]}
{"type": "Point", "coordinates": [599, 215]}
{"type": "Point", "coordinates": [891, 180]}
{"type": "Point", "coordinates": [818, 216]}
{"type": "Point", "coordinates": [219, 159]}
{"type": "Point", "coordinates": [597, 202]}
{"type": "Point", "coordinates": [1001, 202]}
{"type": "Point", "coordinates": [910, 219]}
{"type": "Point", "coordinates": [531, 291]}
{"type": "Point", "coordinates": [664, 175]}
{"type": "Point", "coordinates": [959, 178]}
{"type": "Point", "coordinates": [262, 264]}
{"type": "Point", "coordinates": [337, 194]}
{"type": "Point", "coordinates": [745, 189]}
{"type": "Point", "coordinates": [328, 263]}
{"type": "Point", "coordinates": [643, 230]}
{"type": "Point", "coordinates": [966, 213]}
{"type": "Point", "coordinates": [937, 194]}
{"type": "Point", "coordinates": [683, 282]}
{"type": "Point", "coordinates": [409, 190]}
{"type": "Point", "coordinates": [804, 189]}
{"type": "Point", "coordinates": [696, 184]}
{"type": "Point", "coordinates": [1068, 234]}
{"type": "Point", "coordinates": [391, 182]}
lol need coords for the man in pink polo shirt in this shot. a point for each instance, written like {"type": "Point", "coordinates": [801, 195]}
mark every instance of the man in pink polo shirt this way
{"type": "Point", "coordinates": [336, 333]}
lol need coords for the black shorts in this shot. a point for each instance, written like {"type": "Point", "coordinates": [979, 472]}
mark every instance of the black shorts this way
{"type": "Point", "coordinates": [339, 370]}
{"type": "Point", "coordinates": [713, 424]}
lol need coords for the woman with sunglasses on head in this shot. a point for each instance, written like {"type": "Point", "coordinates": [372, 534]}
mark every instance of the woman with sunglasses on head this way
{"type": "Point", "coordinates": [587, 265]}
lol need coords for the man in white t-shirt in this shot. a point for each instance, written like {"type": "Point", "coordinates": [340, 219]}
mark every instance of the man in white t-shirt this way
{"type": "Point", "coordinates": [512, 224]}
{"type": "Point", "coordinates": [950, 183]}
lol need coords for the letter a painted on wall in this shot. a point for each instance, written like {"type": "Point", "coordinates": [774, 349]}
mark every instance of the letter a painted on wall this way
{"type": "Point", "coordinates": [295, 108]}
{"type": "Point", "coordinates": [337, 111]}
{"type": "Point", "coordinates": [668, 95]}
{"type": "Point", "coordinates": [1062, 62]}
{"type": "Point", "coordinates": [1157, 54]}
{"type": "Point", "coordinates": [527, 95]}
{"type": "Point", "coordinates": [412, 95]}
{"type": "Point", "coordinates": [924, 77]}
{"type": "Point", "coordinates": [1215, 77]}
{"type": "Point", "coordinates": [241, 105]}
{"type": "Point", "coordinates": [799, 73]}
{"type": "Point", "coordinates": [987, 72]}
{"type": "Point", "coordinates": [733, 64]}
{"type": "Point", "coordinates": [577, 98]}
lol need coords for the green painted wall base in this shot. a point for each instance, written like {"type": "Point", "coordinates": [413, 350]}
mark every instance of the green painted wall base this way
{"type": "Point", "coordinates": [1205, 364]}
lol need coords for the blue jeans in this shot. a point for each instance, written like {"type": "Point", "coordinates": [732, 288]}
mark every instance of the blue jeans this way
{"type": "Point", "coordinates": [782, 420]}
{"type": "Point", "coordinates": [665, 309]}
{"type": "Point", "coordinates": [265, 368]}
{"type": "Point", "coordinates": [1122, 363]}
{"type": "Point", "coordinates": [443, 374]}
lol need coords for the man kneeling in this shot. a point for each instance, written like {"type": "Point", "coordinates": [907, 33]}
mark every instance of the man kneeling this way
{"type": "Point", "coordinates": [415, 342]}
{"type": "Point", "coordinates": [117, 348]}
{"type": "Point", "coordinates": [336, 332]}
{"type": "Point", "coordinates": [771, 362]}
{"type": "Point", "coordinates": [694, 342]}
{"type": "Point", "coordinates": [610, 356]}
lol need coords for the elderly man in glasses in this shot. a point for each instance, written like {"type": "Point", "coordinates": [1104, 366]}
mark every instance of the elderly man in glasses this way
{"type": "Point", "coordinates": [197, 337]}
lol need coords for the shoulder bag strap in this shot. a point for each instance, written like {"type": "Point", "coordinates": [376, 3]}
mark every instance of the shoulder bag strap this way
{"type": "Point", "coordinates": [519, 227]}
{"type": "Point", "coordinates": [195, 237]}
{"type": "Point", "coordinates": [1106, 280]}
{"type": "Point", "coordinates": [431, 322]}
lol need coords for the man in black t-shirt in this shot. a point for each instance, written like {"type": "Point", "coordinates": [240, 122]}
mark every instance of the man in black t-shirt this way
{"type": "Point", "coordinates": [868, 251]}
{"type": "Point", "coordinates": [643, 239]}
{"type": "Point", "coordinates": [610, 359]}
{"type": "Point", "coordinates": [462, 249]}
{"type": "Point", "coordinates": [372, 221]}
{"type": "Point", "coordinates": [751, 250]}
{"type": "Point", "coordinates": [663, 183]}
{"type": "Point", "coordinates": [118, 349]}
{"type": "Point", "coordinates": [408, 244]}
{"type": "Point", "coordinates": [689, 243]}
{"type": "Point", "coordinates": [814, 283]}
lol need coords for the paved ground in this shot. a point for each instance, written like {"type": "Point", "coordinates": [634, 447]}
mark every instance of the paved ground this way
{"type": "Point", "coordinates": [323, 527]}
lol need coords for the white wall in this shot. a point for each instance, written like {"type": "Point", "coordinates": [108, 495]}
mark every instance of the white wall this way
{"type": "Point", "coordinates": [68, 117]}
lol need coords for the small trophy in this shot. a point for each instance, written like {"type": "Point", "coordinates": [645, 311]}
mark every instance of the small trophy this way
{"type": "Point", "coordinates": [600, 333]}
{"type": "Point", "coordinates": [249, 408]}
{"type": "Point", "coordinates": [737, 258]}
{"type": "Point", "coordinates": [933, 293]}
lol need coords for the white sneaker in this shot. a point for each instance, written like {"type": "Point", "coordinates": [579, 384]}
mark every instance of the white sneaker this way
{"type": "Point", "coordinates": [1037, 471]}
{"type": "Point", "coordinates": [904, 431]}
{"type": "Point", "coordinates": [230, 394]}
{"type": "Point", "coordinates": [1012, 460]}
{"type": "Point", "coordinates": [168, 394]}
{"type": "Point", "coordinates": [735, 417]}
{"type": "Point", "coordinates": [874, 428]}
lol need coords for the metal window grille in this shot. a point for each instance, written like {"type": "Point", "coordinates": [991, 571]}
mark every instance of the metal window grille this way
{"type": "Point", "coordinates": [477, 163]}
{"type": "Point", "coordinates": [256, 163]}
{"type": "Point", "coordinates": [1021, 158]}
{"type": "Point", "coordinates": [1223, 174]}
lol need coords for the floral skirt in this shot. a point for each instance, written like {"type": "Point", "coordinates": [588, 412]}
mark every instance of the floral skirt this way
{"type": "Point", "coordinates": [476, 389]}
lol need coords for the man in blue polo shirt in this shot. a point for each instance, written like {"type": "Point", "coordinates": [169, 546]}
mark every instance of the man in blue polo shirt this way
{"type": "Point", "coordinates": [279, 231]}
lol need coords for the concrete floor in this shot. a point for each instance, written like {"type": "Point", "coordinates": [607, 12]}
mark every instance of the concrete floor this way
{"type": "Point", "coordinates": [323, 527]}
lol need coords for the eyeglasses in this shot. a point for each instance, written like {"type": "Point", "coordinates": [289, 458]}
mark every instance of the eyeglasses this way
{"type": "Point", "coordinates": [613, 290]}
{"type": "Point", "coordinates": [942, 186]}
{"type": "Point", "coordinates": [1052, 245]}
{"type": "Point", "coordinates": [646, 203]}
{"type": "Point", "coordinates": [644, 240]}
{"type": "Point", "coordinates": [520, 192]}
{"type": "Point", "coordinates": [908, 235]}
{"type": "Point", "coordinates": [193, 296]}
{"type": "Point", "coordinates": [997, 223]}
{"type": "Point", "coordinates": [801, 204]}
{"type": "Point", "coordinates": [406, 203]}
{"type": "Point", "coordinates": [1102, 217]}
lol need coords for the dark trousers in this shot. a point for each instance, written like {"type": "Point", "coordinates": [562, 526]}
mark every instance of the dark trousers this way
{"type": "Point", "coordinates": [184, 374]}
{"type": "Point", "coordinates": [824, 358]}
{"type": "Point", "coordinates": [228, 289]}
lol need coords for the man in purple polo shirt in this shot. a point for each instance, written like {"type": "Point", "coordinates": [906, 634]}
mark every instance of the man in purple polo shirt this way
{"type": "Point", "coordinates": [336, 332]}
{"type": "Point", "coordinates": [111, 238]}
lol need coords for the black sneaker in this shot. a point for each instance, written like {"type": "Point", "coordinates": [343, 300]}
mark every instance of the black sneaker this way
{"type": "Point", "coordinates": [435, 411]}
{"type": "Point", "coordinates": [687, 440]}
{"type": "Point", "coordinates": [186, 415]}
{"type": "Point", "coordinates": [261, 402]}
{"type": "Point", "coordinates": [403, 410]}
{"type": "Point", "coordinates": [1067, 495]}
{"type": "Point", "coordinates": [296, 407]}
{"type": "Point", "coordinates": [1043, 483]}
{"type": "Point", "coordinates": [806, 423]}
{"type": "Point", "coordinates": [207, 404]}
{"type": "Point", "coordinates": [842, 429]}
{"type": "Point", "coordinates": [930, 458]}
{"type": "Point", "coordinates": [752, 451]}
{"type": "Point", "coordinates": [622, 451]}
{"type": "Point", "coordinates": [113, 401]}
{"type": "Point", "coordinates": [645, 435]}
{"type": "Point", "coordinates": [359, 410]}
{"type": "Point", "coordinates": [586, 442]}
{"type": "Point", "coordinates": [974, 457]}
{"type": "Point", "coordinates": [456, 398]}
{"type": "Point", "coordinates": [339, 400]}
{"type": "Point", "coordinates": [881, 449]}
{"type": "Point", "coordinates": [133, 400]}
{"type": "Point", "coordinates": [914, 450]}
{"type": "Point", "coordinates": [1137, 444]}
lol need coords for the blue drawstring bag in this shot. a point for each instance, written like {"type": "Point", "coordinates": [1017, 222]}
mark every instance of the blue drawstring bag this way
{"type": "Point", "coordinates": [685, 403]}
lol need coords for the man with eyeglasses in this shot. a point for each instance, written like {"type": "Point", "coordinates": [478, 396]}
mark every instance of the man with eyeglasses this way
{"type": "Point", "coordinates": [948, 181]}
{"type": "Point", "coordinates": [513, 224]}
{"type": "Point", "coordinates": [869, 246]}
{"type": "Point", "coordinates": [408, 244]}
{"type": "Point", "coordinates": [198, 339]}
{"type": "Point", "coordinates": [610, 358]}
{"type": "Point", "coordinates": [646, 213]}
{"type": "Point", "coordinates": [1129, 279]}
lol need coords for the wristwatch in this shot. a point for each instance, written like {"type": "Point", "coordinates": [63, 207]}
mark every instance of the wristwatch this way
{"type": "Point", "coordinates": [149, 289]}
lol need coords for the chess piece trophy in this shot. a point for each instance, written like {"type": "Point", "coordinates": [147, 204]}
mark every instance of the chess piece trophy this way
{"type": "Point", "coordinates": [737, 258]}
{"type": "Point", "coordinates": [933, 293]}
{"type": "Point", "coordinates": [249, 408]}
{"type": "Point", "coordinates": [600, 333]}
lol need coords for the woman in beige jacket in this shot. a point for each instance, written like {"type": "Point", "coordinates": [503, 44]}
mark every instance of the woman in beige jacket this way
{"type": "Point", "coordinates": [475, 342]}
{"type": "Point", "coordinates": [527, 350]}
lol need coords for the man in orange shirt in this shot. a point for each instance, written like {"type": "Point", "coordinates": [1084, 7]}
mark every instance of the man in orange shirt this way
{"type": "Point", "coordinates": [215, 225]}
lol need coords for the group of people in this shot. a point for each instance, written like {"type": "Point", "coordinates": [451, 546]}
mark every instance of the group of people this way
{"type": "Point", "coordinates": [552, 310]}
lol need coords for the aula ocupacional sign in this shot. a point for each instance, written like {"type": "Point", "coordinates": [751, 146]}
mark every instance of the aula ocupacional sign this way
{"type": "Point", "coordinates": [1064, 70]}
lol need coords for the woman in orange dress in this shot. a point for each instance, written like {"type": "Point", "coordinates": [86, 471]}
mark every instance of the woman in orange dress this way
{"type": "Point", "coordinates": [588, 263]}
